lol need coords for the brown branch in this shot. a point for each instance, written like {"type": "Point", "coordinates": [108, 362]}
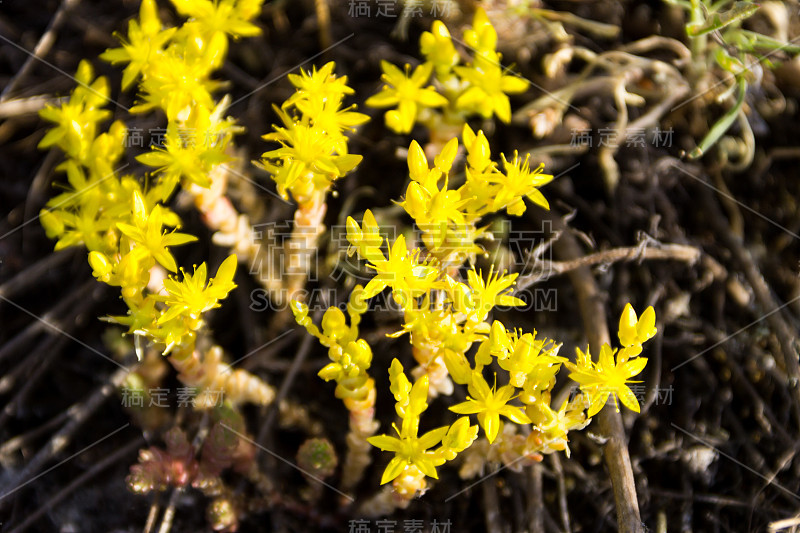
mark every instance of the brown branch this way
{"type": "Point", "coordinates": [665, 252]}
{"type": "Point", "coordinates": [562, 492]}
{"type": "Point", "coordinates": [27, 106]}
{"type": "Point", "coordinates": [535, 501]}
{"type": "Point", "coordinates": [493, 520]}
{"type": "Point", "coordinates": [615, 450]}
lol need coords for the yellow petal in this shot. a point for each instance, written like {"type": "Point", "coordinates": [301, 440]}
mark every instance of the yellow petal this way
{"type": "Point", "coordinates": [627, 326]}
{"type": "Point", "coordinates": [386, 443]}
{"type": "Point", "coordinates": [513, 84]}
{"type": "Point", "coordinates": [628, 399]}
{"type": "Point", "coordinates": [417, 162]}
{"type": "Point", "coordinates": [386, 98]}
{"type": "Point", "coordinates": [598, 399]}
{"type": "Point", "coordinates": [491, 425]}
{"type": "Point", "coordinates": [393, 469]}
{"type": "Point", "coordinates": [646, 327]}
{"type": "Point", "coordinates": [444, 161]}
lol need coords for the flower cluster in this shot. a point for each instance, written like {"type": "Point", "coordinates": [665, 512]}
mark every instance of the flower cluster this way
{"type": "Point", "coordinates": [174, 68]}
{"type": "Point", "coordinates": [413, 452]}
{"type": "Point", "coordinates": [608, 377]}
{"type": "Point", "coordinates": [313, 151]}
{"type": "Point", "coordinates": [126, 227]}
{"type": "Point", "coordinates": [479, 87]}
{"type": "Point", "coordinates": [448, 217]}
{"type": "Point", "coordinates": [446, 314]}
{"type": "Point", "coordinates": [129, 232]}
{"type": "Point", "coordinates": [76, 120]}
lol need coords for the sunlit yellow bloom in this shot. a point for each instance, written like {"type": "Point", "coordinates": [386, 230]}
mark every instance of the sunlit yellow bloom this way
{"type": "Point", "coordinates": [606, 377]}
{"type": "Point", "coordinates": [145, 41]}
{"type": "Point", "coordinates": [147, 231]}
{"type": "Point", "coordinates": [489, 404]}
{"type": "Point", "coordinates": [407, 93]}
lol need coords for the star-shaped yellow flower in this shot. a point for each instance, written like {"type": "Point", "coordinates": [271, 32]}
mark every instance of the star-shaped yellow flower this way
{"type": "Point", "coordinates": [407, 93]}
{"type": "Point", "coordinates": [489, 404]}
{"type": "Point", "coordinates": [606, 377]}
{"type": "Point", "coordinates": [145, 41]}
{"type": "Point", "coordinates": [409, 450]}
{"type": "Point", "coordinates": [403, 272]}
{"type": "Point", "coordinates": [147, 231]}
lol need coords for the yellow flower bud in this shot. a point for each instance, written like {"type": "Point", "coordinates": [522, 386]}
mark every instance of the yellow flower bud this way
{"type": "Point", "coordinates": [330, 371]}
{"type": "Point", "coordinates": [444, 161]}
{"type": "Point", "coordinates": [457, 366]}
{"type": "Point", "coordinates": [334, 324]}
{"type": "Point", "coordinates": [360, 353]}
{"type": "Point", "coordinates": [416, 202]}
{"type": "Point", "coordinates": [101, 266]}
{"type": "Point", "coordinates": [417, 162]}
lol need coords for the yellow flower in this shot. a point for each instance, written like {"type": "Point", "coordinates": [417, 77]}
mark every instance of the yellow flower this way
{"type": "Point", "coordinates": [482, 36]}
{"type": "Point", "coordinates": [528, 353]}
{"type": "Point", "coordinates": [181, 157]}
{"type": "Point", "coordinates": [334, 121]}
{"type": "Point", "coordinates": [495, 290]}
{"type": "Point", "coordinates": [606, 377]}
{"type": "Point", "coordinates": [488, 83]}
{"type": "Point", "coordinates": [210, 24]}
{"type": "Point", "coordinates": [219, 16]}
{"type": "Point", "coordinates": [85, 226]}
{"type": "Point", "coordinates": [488, 88]}
{"type": "Point", "coordinates": [141, 315]}
{"type": "Point", "coordinates": [433, 209]}
{"type": "Point", "coordinates": [519, 181]}
{"type": "Point", "coordinates": [320, 84]}
{"type": "Point", "coordinates": [437, 47]}
{"type": "Point", "coordinates": [76, 120]}
{"type": "Point", "coordinates": [555, 425]}
{"type": "Point", "coordinates": [407, 93]}
{"type": "Point", "coordinates": [404, 273]}
{"type": "Point", "coordinates": [489, 405]}
{"type": "Point", "coordinates": [365, 239]}
{"type": "Point", "coordinates": [319, 97]}
{"type": "Point", "coordinates": [409, 450]}
{"type": "Point", "coordinates": [147, 231]}
{"type": "Point", "coordinates": [187, 300]}
{"type": "Point", "coordinates": [145, 41]}
{"type": "Point", "coordinates": [307, 157]}
{"type": "Point", "coordinates": [192, 296]}
{"type": "Point", "coordinates": [176, 83]}
{"type": "Point", "coordinates": [459, 437]}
